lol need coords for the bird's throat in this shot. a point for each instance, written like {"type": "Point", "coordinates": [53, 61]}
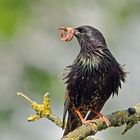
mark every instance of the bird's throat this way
{"type": "Point", "coordinates": [88, 61]}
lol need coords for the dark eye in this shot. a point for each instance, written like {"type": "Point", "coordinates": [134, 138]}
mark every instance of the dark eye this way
{"type": "Point", "coordinates": [80, 30]}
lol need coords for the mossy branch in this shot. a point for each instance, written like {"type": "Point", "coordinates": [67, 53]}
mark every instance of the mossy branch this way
{"type": "Point", "coordinates": [128, 117]}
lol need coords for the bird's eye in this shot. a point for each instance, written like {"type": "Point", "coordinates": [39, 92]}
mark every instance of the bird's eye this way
{"type": "Point", "coordinates": [80, 30]}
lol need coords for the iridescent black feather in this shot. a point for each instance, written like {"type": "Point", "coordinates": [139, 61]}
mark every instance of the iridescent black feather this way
{"type": "Point", "coordinates": [93, 77]}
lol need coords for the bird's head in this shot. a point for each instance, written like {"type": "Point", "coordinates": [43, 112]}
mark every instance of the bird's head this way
{"type": "Point", "coordinates": [87, 36]}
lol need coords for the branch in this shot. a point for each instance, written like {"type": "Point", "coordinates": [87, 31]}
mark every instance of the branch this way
{"type": "Point", "coordinates": [130, 117]}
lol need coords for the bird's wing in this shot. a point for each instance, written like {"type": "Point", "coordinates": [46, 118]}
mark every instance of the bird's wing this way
{"type": "Point", "coordinates": [66, 106]}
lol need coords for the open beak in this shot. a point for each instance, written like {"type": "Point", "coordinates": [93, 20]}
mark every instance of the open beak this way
{"type": "Point", "coordinates": [66, 33]}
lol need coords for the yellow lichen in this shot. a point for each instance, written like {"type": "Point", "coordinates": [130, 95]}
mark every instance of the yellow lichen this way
{"type": "Point", "coordinates": [122, 114]}
{"type": "Point", "coordinates": [42, 110]}
{"type": "Point", "coordinates": [33, 118]}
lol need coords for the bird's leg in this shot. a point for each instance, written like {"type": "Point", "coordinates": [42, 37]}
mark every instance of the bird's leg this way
{"type": "Point", "coordinates": [101, 117]}
{"type": "Point", "coordinates": [79, 115]}
{"type": "Point", "coordinates": [105, 120]}
{"type": "Point", "coordinates": [83, 120]}
{"type": "Point", "coordinates": [98, 115]}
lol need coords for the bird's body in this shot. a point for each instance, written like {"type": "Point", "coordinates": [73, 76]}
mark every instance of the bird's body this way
{"type": "Point", "coordinates": [93, 77]}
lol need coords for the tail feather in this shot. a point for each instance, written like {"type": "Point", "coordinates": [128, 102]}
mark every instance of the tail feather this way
{"type": "Point", "coordinates": [72, 123]}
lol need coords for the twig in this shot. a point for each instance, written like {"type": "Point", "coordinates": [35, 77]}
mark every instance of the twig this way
{"type": "Point", "coordinates": [24, 96]}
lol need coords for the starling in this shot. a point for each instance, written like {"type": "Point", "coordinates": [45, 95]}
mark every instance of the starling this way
{"type": "Point", "coordinates": [92, 78]}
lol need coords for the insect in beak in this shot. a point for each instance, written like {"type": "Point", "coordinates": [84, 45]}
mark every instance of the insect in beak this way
{"type": "Point", "coordinates": [66, 33]}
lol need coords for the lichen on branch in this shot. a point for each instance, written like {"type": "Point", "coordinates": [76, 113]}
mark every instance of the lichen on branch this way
{"type": "Point", "coordinates": [42, 110]}
{"type": "Point", "coordinates": [128, 117]}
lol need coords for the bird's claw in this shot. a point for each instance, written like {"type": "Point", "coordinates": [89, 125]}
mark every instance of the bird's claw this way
{"type": "Point", "coordinates": [105, 120]}
{"type": "Point", "coordinates": [87, 122]}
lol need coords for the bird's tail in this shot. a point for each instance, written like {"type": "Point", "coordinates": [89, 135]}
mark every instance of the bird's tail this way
{"type": "Point", "coordinates": [73, 122]}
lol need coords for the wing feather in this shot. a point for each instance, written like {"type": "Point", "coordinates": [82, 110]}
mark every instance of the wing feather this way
{"type": "Point", "coordinates": [66, 106]}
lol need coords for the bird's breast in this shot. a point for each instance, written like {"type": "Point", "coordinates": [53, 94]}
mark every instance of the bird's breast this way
{"type": "Point", "coordinates": [85, 83]}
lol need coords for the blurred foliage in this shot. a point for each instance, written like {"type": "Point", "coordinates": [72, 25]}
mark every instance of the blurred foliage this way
{"type": "Point", "coordinates": [5, 115]}
{"type": "Point", "coordinates": [11, 13]}
{"type": "Point", "coordinates": [38, 81]}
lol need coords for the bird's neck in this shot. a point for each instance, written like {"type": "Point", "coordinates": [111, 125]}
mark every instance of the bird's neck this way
{"type": "Point", "coordinates": [86, 47]}
{"type": "Point", "coordinates": [90, 44]}
{"type": "Point", "coordinates": [85, 59]}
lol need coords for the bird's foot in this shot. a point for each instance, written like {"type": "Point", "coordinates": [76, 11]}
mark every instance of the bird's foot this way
{"type": "Point", "coordinates": [101, 117]}
{"type": "Point", "coordinates": [104, 120]}
{"type": "Point", "coordinates": [87, 122]}
{"type": "Point", "coordinates": [83, 120]}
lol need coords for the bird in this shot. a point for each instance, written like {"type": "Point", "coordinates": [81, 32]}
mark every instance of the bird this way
{"type": "Point", "coordinates": [91, 79]}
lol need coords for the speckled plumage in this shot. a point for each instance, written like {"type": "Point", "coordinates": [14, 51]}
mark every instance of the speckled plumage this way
{"type": "Point", "coordinates": [93, 77]}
